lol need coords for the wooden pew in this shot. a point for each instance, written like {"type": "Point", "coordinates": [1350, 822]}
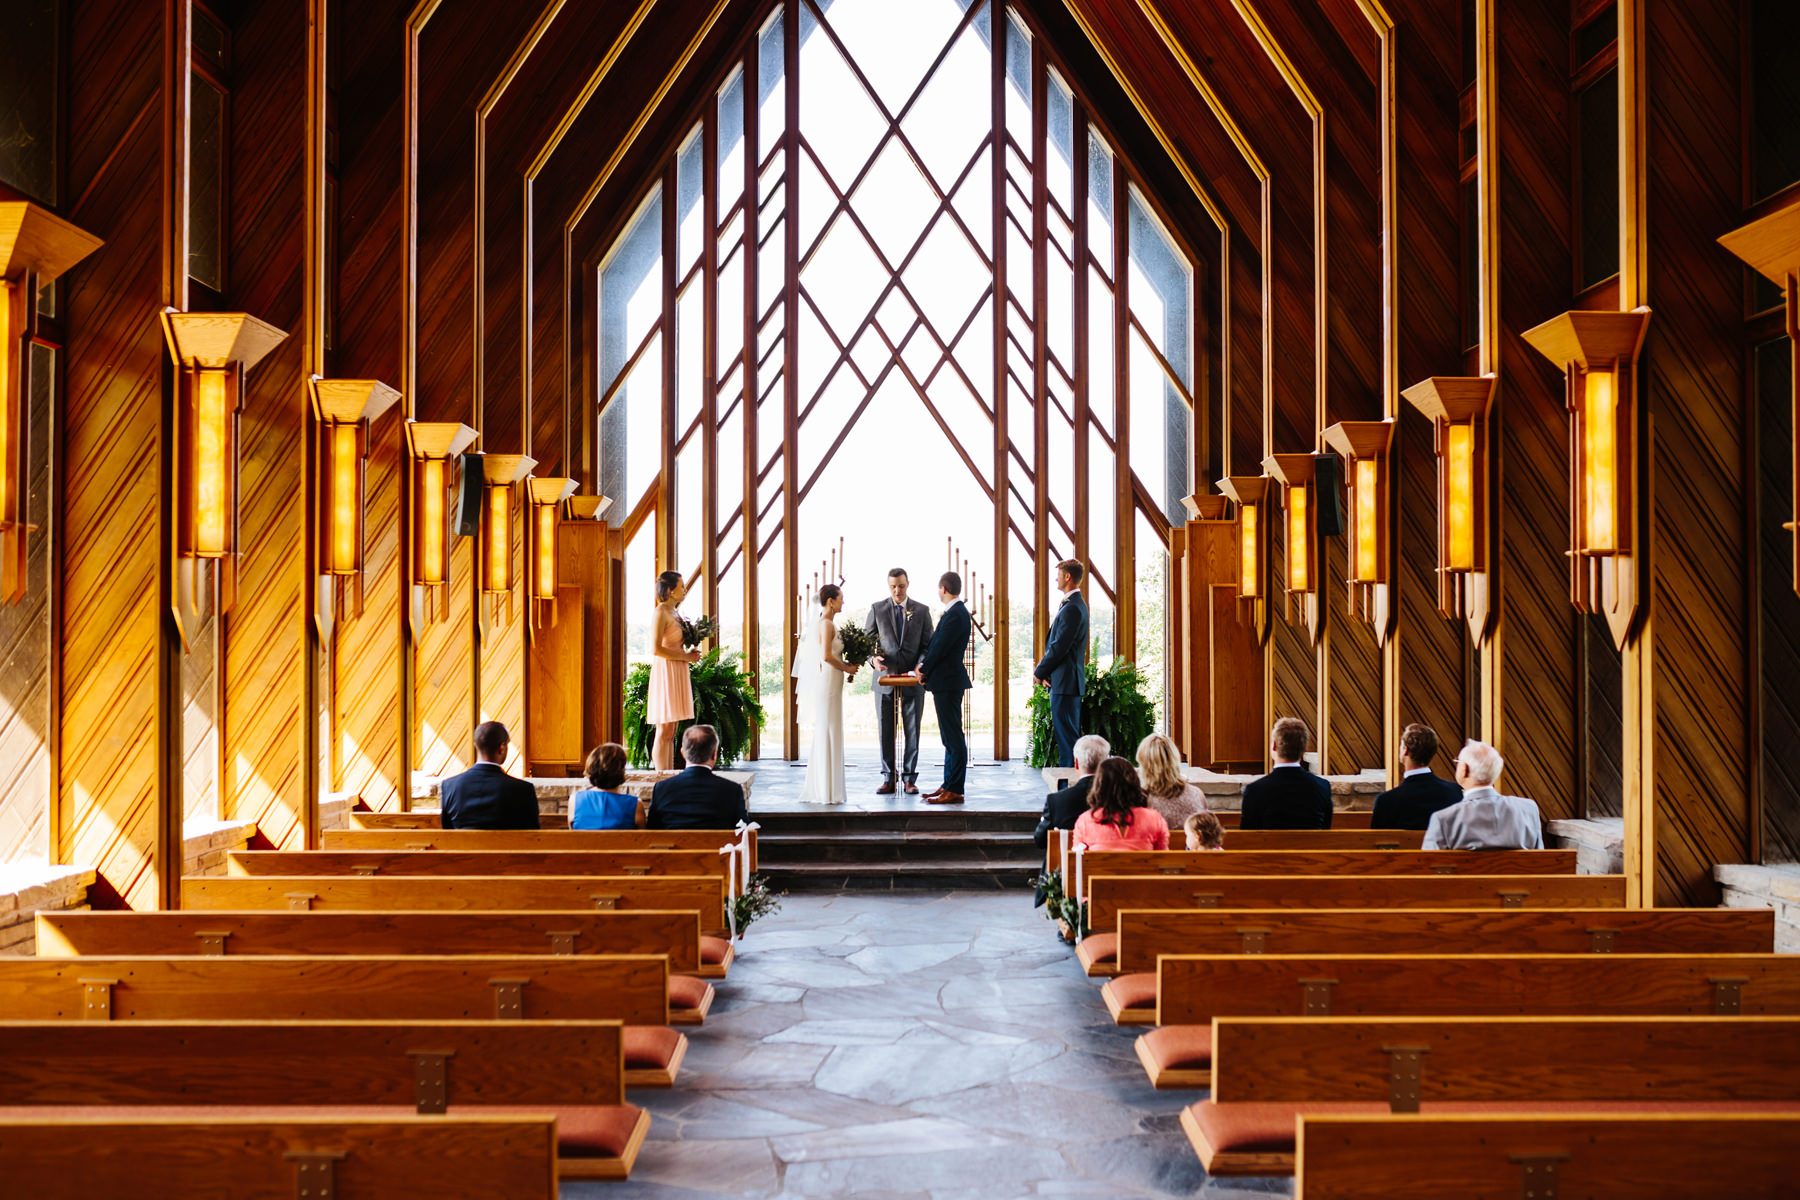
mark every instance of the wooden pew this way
{"type": "Point", "coordinates": [676, 934]}
{"type": "Point", "coordinates": [1595, 1157]}
{"type": "Point", "coordinates": [362, 1158]}
{"type": "Point", "coordinates": [1279, 839]}
{"type": "Point", "coordinates": [525, 839]}
{"type": "Point", "coordinates": [391, 1070]}
{"type": "Point", "coordinates": [1098, 863]}
{"type": "Point", "coordinates": [1341, 818]}
{"type": "Point", "coordinates": [1142, 935]}
{"type": "Point", "coordinates": [1108, 894]}
{"type": "Point", "coordinates": [263, 863]}
{"type": "Point", "coordinates": [1266, 1072]}
{"type": "Point", "coordinates": [634, 989]}
{"type": "Point", "coordinates": [430, 818]}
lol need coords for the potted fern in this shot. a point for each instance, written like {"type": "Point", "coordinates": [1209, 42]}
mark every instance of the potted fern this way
{"type": "Point", "coordinates": [724, 697]}
{"type": "Point", "coordinates": [1114, 706]}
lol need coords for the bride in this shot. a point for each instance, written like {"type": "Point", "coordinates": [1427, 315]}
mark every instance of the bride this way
{"type": "Point", "coordinates": [820, 668]}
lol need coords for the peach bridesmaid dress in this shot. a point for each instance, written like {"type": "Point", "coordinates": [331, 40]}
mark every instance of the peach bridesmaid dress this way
{"type": "Point", "coordinates": [671, 689]}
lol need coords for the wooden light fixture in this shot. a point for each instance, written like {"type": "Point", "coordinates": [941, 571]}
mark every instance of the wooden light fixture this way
{"type": "Point", "coordinates": [1597, 352]}
{"type": "Point", "coordinates": [35, 248]}
{"type": "Point", "coordinates": [1250, 492]}
{"type": "Point", "coordinates": [344, 408]}
{"type": "Point", "coordinates": [1771, 247]}
{"type": "Point", "coordinates": [499, 473]}
{"type": "Point", "coordinates": [588, 508]}
{"type": "Point", "coordinates": [546, 497]}
{"type": "Point", "coordinates": [431, 447]}
{"type": "Point", "coordinates": [1364, 447]}
{"type": "Point", "coordinates": [1458, 409]}
{"type": "Point", "coordinates": [1295, 473]}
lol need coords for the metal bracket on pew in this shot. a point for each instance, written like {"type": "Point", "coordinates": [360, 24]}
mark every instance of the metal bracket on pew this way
{"type": "Point", "coordinates": [1442, 869]}
{"type": "Point", "coordinates": [1315, 997]}
{"type": "Point", "coordinates": [431, 1079]}
{"type": "Point", "coordinates": [96, 999]}
{"type": "Point", "coordinates": [1208, 899]}
{"type": "Point", "coordinates": [635, 870]}
{"type": "Point", "coordinates": [212, 941]}
{"type": "Point", "coordinates": [1537, 1174]}
{"type": "Point", "coordinates": [301, 901]}
{"type": "Point", "coordinates": [1254, 940]}
{"type": "Point", "coordinates": [605, 903]}
{"type": "Point", "coordinates": [420, 846]}
{"type": "Point", "coordinates": [1404, 1069]}
{"type": "Point", "coordinates": [509, 998]}
{"type": "Point", "coordinates": [562, 941]}
{"type": "Point", "coordinates": [1728, 995]}
{"type": "Point", "coordinates": [1171, 870]}
{"type": "Point", "coordinates": [315, 1173]}
{"type": "Point", "coordinates": [365, 868]}
{"type": "Point", "coordinates": [1515, 899]}
{"type": "Point", "coordinates": [1602, 940]}
{"type": "Point", "coordinates": [1387, 845]}
{"type": "Point", "coordinates": [660, 846]}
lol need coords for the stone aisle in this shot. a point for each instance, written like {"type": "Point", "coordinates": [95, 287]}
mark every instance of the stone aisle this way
{"type": "Point", "coordinates": [913, 1047]}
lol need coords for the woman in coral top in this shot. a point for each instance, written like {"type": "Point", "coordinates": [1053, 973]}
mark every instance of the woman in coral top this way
{"type": "Point", "coordinates": [1117, 817]}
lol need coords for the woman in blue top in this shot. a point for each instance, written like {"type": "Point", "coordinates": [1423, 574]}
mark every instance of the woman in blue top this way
{"type": "Point", "coordinates": [603, 806]}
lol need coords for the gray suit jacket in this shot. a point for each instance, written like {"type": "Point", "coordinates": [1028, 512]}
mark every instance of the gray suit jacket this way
{"type": "Point", "coordinates": [902, 641]}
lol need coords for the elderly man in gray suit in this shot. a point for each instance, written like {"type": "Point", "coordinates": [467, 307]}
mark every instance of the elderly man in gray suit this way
{"type": "Point", "coordinates": [903, 627]}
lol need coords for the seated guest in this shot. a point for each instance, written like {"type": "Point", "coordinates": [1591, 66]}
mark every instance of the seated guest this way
{"type": "Point", "coordinates": [1204, 832]}
{"type": "Point", "coordinates": [485, 796]}
{"type": "Point", "coordinates": [1063, 806]}
{"type": "Point", "coordinates": [1159, 770]}
{"type": "Point", "coordinates": [604, 806]}
{"type": "Point", "coordinates": [1290, 796]}
{"type": "Point", "coordinates": [1484, 819]}
{"type": "Point", "coordinates": [1117, 817]}
{"type": "Point", "coordinates": [697, 798]}
{"type": "Point", "coordinates": [1420, 793]}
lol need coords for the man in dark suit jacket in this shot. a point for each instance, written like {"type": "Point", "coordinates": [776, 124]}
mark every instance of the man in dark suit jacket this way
{"type": "Point", "coordinates": [904, 627]}
{"type": "Point", "coordinates": [697, 798]}
{"type": "Point", "coordinates": [1289, 796]}
{"type": "Point", "coordinates": [485, 796]}
{"type": "Point", "coordinates": [1063, 669]}
{"type": "Point", "coordinates": [946, 678]}
{"type": "Point", "coordinates": [1064, 806]}
{"type": "Point", "coordinates": [1420, 793]}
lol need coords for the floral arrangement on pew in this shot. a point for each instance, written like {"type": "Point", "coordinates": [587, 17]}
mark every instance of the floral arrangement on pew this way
{"type": "Point", "coordinates": [756, 901]}
{"type": "Point", "coordinates": [697, 630]}
{"type": "Point", "coordinates": [1069, 915]}
{"type": "Point", "coordinates": [1114, 706]}
{"type": "Point", "coordinates": [725, 697]}
{"type": "Point", "coordinates": [860, 643]}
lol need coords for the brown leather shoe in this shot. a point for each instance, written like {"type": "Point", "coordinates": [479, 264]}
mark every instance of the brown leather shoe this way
{"type": "Point", "coordinates": [943, 797]}
{"type": "Point", "coordinates": [886, 788]}
{"type": "Point", "coordinates": [912, 789]}
{"type": "Point", "coordinates": [934, 792]}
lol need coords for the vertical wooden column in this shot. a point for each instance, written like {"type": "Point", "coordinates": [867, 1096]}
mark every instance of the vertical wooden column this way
{"type": "Point", "coordinates": [752, 525]}
{"type": "Point", "coordinates": [790, 382]}
{"type": "Point", "coordinates": [1002, 425]}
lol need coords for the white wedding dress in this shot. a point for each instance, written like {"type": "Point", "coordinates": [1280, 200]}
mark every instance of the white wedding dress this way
{"type": "Point", "coordinates": [820, 690]}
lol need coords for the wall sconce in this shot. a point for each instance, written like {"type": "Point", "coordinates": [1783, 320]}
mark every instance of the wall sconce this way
{"type": "Point", "coordinates": [35, 248]}
{"type": "Point", "coordinates": [344, 408]}
{"type": "Point", "coordinates": [1457, 407]}
{"type": "Point", "coordinates": [1597, 352]}
{"type": "Point", "coordinates": [588, 508]}
{"type": "Point", "coordinates": [546, 497]}
{"type": "Point", "coordinates": [212, 353]}
{"type": "Point", "coordinates": [1295, 473]}
{"type": "Point", "coordinates": [432, 447]}
{"type": "Point", "coordinates": [1771, 247]}
{"type": "Point", "coordinates": [499, 473]}
{"type": "Point", "coordinates": [1364, 447]}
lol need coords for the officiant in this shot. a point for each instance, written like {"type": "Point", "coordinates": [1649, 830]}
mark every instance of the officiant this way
{"type": "Point", "coordinates": [903, 627]}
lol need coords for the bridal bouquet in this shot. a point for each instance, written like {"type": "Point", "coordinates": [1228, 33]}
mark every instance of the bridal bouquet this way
{"type": "Point", "coordinates": [860, 645]}
{"type": "Point", "coordinates": [696, 631]}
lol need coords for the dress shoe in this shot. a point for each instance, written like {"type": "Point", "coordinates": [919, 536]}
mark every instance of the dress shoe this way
{"type": "Point", "coordinates": [912, 789]}
{"type": "Point", "coordinates": [886, 788]}
{"type": "Point", "coordinates": [943, 797]}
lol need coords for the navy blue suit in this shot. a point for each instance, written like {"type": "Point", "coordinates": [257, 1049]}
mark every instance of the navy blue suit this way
{"type": "Point", "coordinates": [1287, 798]}
{"type": "Point", "coordinates": [1064, 666]}
{"type": "Point", "coordinates": [486, 797]}
{"type": "Point", "coordinates": [1410, 805]}
{"type": "Point", "coordinates": [947, 679]}
{"type": "Point", "coordinates": [696, 799]}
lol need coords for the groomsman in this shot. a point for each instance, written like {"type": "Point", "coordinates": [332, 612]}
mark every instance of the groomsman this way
{"type": "Point", "coordinates": [903, 627]}
{"type": "Point", "coordinates": [946, 678]}
{"type": "Point", "coordinates": [1063, 669]}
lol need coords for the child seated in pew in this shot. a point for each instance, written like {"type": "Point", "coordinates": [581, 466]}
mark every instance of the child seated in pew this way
{"type": "Point", "coordinates": [1118, 818]}
{"type": "Point", "coordinates": [1204, 832]}
{"type": "Point", "coordinates": [603, 806]}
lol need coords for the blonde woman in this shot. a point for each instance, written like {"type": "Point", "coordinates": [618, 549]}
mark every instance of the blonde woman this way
{"type": "Point", "coordinates": [1159, 768]}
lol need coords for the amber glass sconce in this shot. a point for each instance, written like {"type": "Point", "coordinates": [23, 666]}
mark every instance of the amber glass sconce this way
{"type": "Point", "coordinates": [431, 448]}
{"type": "Point", "coordinates": [343, 409]}
{"type": "Point", "coordinates": [547, 497]}
{"type": "Point", "coordinates": [1771, 247]}
{"type": "Point", "coordinates": [1364, 447]}
{"type": "Point", "coordinates": [501, 472]}
{"type": "Point", "coordinates": [35, 248]}
{"type": "Point", "coordinates": [1252, 495]}
{"type": "Point", "coordinates": [1301, 514]}
{"type": "Point", "coordinates": [1457, 407]}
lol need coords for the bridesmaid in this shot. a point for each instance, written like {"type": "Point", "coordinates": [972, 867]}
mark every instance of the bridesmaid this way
{"type": "Point", "coordinates": [671, 699]}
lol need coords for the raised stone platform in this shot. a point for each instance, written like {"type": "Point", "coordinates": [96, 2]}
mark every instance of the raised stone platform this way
{"type": "Point", "coordinates": [828, 850]}
{"type": "Point", "coordinates": [1747, 885]}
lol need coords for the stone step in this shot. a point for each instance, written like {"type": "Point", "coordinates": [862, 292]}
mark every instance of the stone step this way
{"type": "Point", "coordinates": [922, 820]}
{"type": "Point", "coordinates": [946, 875]}
{"type": "Point", "coordinates": [1012, 849]}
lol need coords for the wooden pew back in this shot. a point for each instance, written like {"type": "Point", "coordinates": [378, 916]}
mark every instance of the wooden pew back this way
{"type": "Point", "coordinates": [461, 894]}
{"type": "Point", "coordinates": [260, 863]}
{"type": "Point", "coordinates": [1595, 1157]}
{"type": "Point", "coordinates": [433, 838]}
{"type": "Point", "coordinates": [431, 818]}
{"type": "Point", "coordinates": [370, 1158]}
{"type": "Point", "coordinates": [1193, 989]}
{"type": "Point", "coordinates": [1107, 894]}
{"type": "Point", "coordinates": [629, 988]}
{"type": "Point", "coordinates": [1146, 934]}
{"type": "Point", "coordinates": [1279, 839]}
{"type": "Point", "coordinates": [676, 934]}
{"type": "Point", "coordinates": [1097, 863]}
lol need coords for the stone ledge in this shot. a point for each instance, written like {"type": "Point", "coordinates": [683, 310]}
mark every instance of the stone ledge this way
{"type": "Point", "coordinates": [334, 809]}
{"type": "Point", "coordinates": [1747, 885]}
{"type": "Point", "coordinates": [1599, 844]}
{"type": "Point", "coordinates": [30, 886]}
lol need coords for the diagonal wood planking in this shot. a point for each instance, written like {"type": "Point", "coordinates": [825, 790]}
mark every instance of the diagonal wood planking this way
{"type": "Point", "coordinates": [25, 654]}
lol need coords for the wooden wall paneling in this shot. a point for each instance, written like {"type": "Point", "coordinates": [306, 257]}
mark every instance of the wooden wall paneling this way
{"type": "Point", "coordinates": [1693, 382]}
{"type": "Point", "coordinates": [107, 804]}
{"type": "Point", "coordinates": [559, 662]}
{"type": "Point", "coordinates": [1239, 734]}
{"type": "Point", "coordinates": [1431, 651]}
{"type": "Point", "coordinates": [1533, 663]}
{"type": "Point", "coordinates": [25, 701]}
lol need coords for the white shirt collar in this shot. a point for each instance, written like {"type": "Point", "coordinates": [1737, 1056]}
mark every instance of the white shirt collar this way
{"type": "Point", "coordinates": [1278, 766]}
{"type": "Point", "coordinates": [1415, 771]}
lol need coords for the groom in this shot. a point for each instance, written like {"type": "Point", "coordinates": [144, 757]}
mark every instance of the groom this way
{"type": "Point", "coordinates": [903, 627]}
{"type": "Point", "coordinates": [946, 678]}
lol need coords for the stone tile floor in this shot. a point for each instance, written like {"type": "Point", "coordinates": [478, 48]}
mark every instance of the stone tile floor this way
{"type": "Point", "coordinates": [913, 1047]}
